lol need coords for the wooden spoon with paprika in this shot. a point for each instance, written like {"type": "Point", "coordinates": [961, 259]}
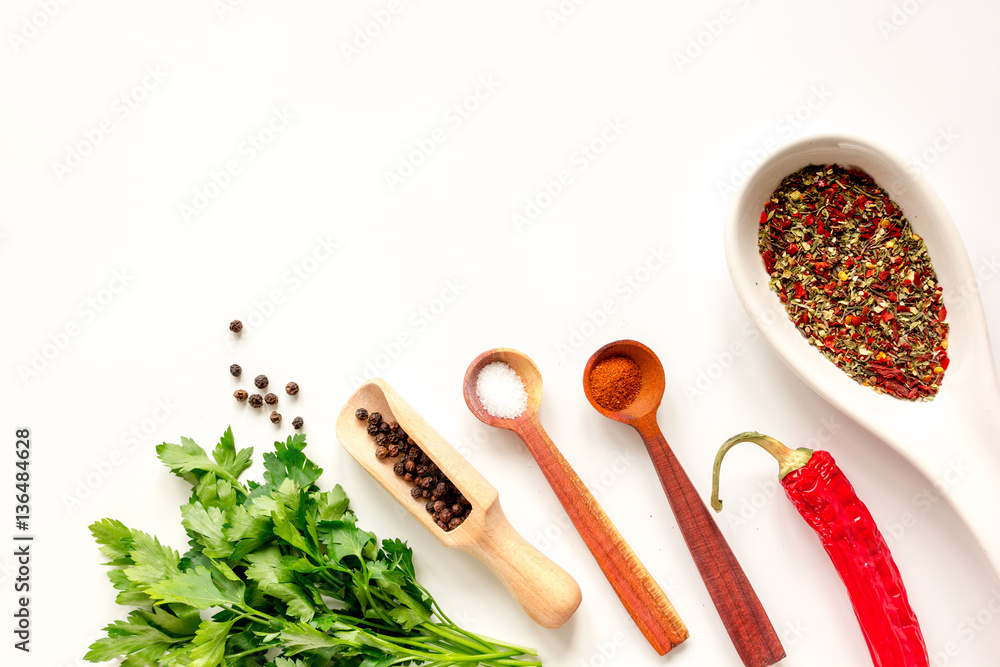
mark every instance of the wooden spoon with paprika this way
{"type": "Point", "coordinates": [624, 381]}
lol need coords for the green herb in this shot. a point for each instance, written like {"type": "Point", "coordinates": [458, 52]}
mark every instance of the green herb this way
{"type": "Point", "coordinates": [856, 280]}
{"type": "Point", "coordinates": [288, 578]}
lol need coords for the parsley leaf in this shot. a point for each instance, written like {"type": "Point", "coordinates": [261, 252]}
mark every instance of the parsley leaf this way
{"type": "Point", "coordinates": [287, 662]}
{"type": "Point", "coordinates": [151, 560]}
{"type": "Point", "coordinates": [346, 540]}
{"type": "Point", "coordinates": [190, 462]}
{"type": "Point", "coordinates": [210, 644]}
{"type": "Point", "coordinates": [129, 636]}
{"type": "Point", "coordinates": [274, 577]}
{"type": "Point", "coordinates": [198, 588]}
{"type": "Point", "coordinates": [115, 540]}
{"type": "Point", "coordinates": [228, 458]}
{"type": "Point", "coordinates": [176, 620]}
{"type": "Point", "coordinates": [206, 526]}
{"type": "Point", "coordinates": [331, 505]}
{"type": "Point", "coordinates": [289, 462]}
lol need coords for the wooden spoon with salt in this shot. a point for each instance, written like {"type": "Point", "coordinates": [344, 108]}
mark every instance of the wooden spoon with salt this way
{"type": "Point", "coordinates": [741, 611]}
{"type": "Point", "coordinates": [643, 598]}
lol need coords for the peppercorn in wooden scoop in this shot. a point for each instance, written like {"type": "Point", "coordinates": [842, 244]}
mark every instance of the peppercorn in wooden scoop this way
{"type": "Point", "coordinates": [624, 381]}
{"type": "Point", "coordinates": [644, 600]}
{"type": "Point", "coordinates": [544, 590]}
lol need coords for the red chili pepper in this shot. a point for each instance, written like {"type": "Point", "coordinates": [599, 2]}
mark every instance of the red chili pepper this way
{"type": "Point", "coordinates": [827, 501]}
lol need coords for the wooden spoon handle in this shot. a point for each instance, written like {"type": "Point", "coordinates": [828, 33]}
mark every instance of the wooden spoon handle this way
{"type": "Point", "coordinates": [544, 590]}
{"type": "Point", "coordinates": [643, 598]}
{"type": "Point", "coordinates": [742, 614]}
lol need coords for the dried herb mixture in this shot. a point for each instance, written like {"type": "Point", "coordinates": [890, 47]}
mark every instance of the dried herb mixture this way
{"type": "Point", "coordinates": [856, 280]}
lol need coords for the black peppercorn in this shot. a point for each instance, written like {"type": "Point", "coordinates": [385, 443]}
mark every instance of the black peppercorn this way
{"type": "Point", "coordinates": [291, 388]}
{"type": "Point", "coordinates": [445, 503]}
{"type": "Point", "coordinates": [275, 417]}
{"type": "Point", "coordinates": [256, 400]}
{"type": "Point", "coordinates": [297, 423]}
{"type": "Point", "coordinates": [235, 370]}
{"type": "Point", "coordinates": [271, 399]}
{"type": "Point", "coordinates": [236, 326]}
{"type": "Point", "coordinates": [240, 395]}
{"type": "Point", "coordinates": [260, 381]}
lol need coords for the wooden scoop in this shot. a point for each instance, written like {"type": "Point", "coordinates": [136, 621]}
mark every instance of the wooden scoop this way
{"type": "Point", "coordinates": [543, 589]}
{"type": "Point", "coordinates": [742, 614]}
{"type": "Point", "coordinates": [644, 600]}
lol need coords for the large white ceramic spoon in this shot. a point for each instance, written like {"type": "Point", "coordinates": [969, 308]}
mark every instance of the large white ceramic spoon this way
{"type": "Point", "coordinates": [954, 440]}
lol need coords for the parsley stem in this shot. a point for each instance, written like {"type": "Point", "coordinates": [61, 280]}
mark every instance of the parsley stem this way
{"type": "Point", "coordinates": [522, 650]}
{"type": "Point", "coordinates": [454, 635]}
{"type": "Point", "coordinates": [265, 647]}
{"type": "Point", "coordinates": [257, 615]}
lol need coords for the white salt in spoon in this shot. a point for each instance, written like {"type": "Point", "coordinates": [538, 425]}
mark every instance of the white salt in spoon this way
{"type": "Point", "coordinates": [954, 440]}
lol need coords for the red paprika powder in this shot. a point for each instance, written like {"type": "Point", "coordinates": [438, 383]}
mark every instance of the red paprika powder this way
{"type": "Point", "coordinates": [615, 382]}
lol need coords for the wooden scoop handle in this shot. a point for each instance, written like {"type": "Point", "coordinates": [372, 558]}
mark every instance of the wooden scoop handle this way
{"type": "Point", "coordinates": [546, 592]}
{"type": "Point", "coordinates": [643, 598]}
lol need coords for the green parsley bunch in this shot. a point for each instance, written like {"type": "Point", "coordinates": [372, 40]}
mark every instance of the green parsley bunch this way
{"type": "Point", "coordinates": [278, 575]}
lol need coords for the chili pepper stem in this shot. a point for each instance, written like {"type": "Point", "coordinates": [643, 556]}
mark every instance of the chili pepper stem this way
{"type": "Point", "coordinates": [788, 459]}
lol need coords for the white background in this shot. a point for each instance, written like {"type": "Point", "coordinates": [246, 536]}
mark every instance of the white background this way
{"type": "Point", "coordinates": [101, 245]}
